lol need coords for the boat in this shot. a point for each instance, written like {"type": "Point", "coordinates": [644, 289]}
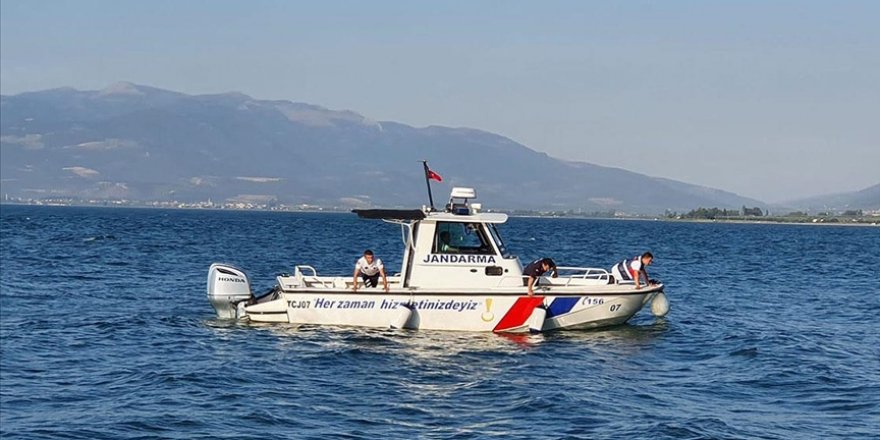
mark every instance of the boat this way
{"type": "Point", "coordinates": [476, 285]}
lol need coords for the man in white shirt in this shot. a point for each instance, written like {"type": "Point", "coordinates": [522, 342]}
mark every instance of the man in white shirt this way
{"type": "Point", "coordinates": [633, 269]}
{"type": "Point", "coordinates": [369, 268]}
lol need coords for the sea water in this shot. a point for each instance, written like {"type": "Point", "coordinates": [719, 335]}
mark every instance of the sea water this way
{"type": "Point", "coordinates": [106, 333]}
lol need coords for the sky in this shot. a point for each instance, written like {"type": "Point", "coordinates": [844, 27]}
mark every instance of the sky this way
{"type": "Point", "coordinates": [774, 100]}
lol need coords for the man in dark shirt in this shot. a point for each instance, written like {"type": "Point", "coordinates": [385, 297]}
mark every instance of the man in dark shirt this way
{"type": "Point", "coordinates": [536, 268]}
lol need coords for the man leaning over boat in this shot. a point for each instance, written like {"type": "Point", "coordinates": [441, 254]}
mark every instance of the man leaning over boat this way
{"type": "Point", "coordinates": [536, 269]}
{"type": "Point", "coordinates": [633, 269]}
{"type": "Point", "coordinates": [368, 267]}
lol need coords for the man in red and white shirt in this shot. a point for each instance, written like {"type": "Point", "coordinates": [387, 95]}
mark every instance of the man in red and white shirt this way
{"type": "Point", "coordinates": [633, 269]}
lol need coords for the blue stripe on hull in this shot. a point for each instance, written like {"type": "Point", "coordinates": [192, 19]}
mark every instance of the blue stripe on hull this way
{"type": "Point", "coordinates": [561, 306]}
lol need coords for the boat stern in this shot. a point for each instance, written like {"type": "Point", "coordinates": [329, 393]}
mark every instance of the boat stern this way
{"type": "Point", "coordinates": [228, 288]}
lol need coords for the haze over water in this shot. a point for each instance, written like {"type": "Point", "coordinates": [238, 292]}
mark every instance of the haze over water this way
{"type": "Point", "coordinates": [106, 333]}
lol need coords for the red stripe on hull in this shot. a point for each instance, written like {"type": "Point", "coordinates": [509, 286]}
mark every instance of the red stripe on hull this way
{"type": "Point", "coordinates": [519, 312]}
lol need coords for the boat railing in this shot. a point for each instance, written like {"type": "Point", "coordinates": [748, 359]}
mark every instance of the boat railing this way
{"type": "Point", "coordinates": [309, 276]}
{"type": "Point", "coordinates": [298, 270]}
{"type": "Point", "coordinates": [572, 274]}
{"type": "Point", "coordinates": [584, 273]}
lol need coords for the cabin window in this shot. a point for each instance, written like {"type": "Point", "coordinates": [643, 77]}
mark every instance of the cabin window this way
{"type": "Point", "coordinates": [461, 238]}
{"type": "Point", "coordinates": [497, 237]}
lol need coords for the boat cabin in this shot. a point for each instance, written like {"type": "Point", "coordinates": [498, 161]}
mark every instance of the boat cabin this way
{"type": "Point", "coordinates": [459, 247]}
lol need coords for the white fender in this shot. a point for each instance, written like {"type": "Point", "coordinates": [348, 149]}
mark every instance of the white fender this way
{"type": "Point", "coordinates": [404, 312]}
{"type": "Point", "coordinates": [660, 305]}
{"type": "Point", "coordinates": [240, 311]}
{"type": "Point", "coordinates": [536, 319]}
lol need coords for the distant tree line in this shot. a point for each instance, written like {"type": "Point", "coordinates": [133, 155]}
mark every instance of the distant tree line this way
{"type": "Point", "coordinates": [847, 213]}
{"type": "Point", "coordinates": [848, 216]}
{"type": "Point", "coordinates": [752, 212]}
{"type": "Point", "coordinates": [710, 213]}
{"type": "Point", "coordinates": [716, 213]}
{"type": "Point", "coordinates": [564, 213]}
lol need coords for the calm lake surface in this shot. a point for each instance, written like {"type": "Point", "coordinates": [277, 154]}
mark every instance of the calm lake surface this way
{"type": "Point", "coordinates": [106, 333]}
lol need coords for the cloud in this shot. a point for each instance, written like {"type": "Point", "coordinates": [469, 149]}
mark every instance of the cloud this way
{"type": "Point", "coordinates": [120, 185]}
{"type": "Point", "coordinates": [109, 190]}
{"type": "Point", "coordinates": [605, 201]}
{"type": "Point", "coordinates": [199, 181]}
{"type": "Point", "coordinates": [253, 198]}
{"type": "Point", "coordinates": [106, 144]}
{"type": "Point", "coordinates": [260, 179]}
{"type": "Point", "coordinates": [353, 201]}
{"type": "Point", "coordinates": [82, 171]}
{"type": "Point", "coordinates": [28, 141]}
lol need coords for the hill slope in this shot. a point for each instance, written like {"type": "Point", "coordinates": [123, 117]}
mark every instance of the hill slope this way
{"type": "Point", "coordinates": [866, 199]}
{"type": "Point", "coordinates": [137, 142]}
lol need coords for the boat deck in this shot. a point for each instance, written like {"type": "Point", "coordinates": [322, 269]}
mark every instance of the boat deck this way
{"type": "Point", "coordinates": [583, 281]}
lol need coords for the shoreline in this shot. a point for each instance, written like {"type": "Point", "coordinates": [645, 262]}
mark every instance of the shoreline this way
{"type": "Point", "coordinates": [864, 222]}
{"type": "Point", "coordinates": [874, 223]}
{"type": "Point", "coordinates": [774, 222]}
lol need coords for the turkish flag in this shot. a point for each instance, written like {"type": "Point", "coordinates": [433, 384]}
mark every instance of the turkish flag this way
{"type": "Point", "coordinates": [435, 176]}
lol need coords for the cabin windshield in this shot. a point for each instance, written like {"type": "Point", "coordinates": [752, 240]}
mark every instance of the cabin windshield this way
{"type": "Point", "coordinates": [498, 241]}
{"type": "Point", "coordinates": [461, 238]}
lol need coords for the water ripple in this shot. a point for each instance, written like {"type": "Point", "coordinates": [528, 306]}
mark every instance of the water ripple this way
{"type": "Point", "coordinates": [105, 333]}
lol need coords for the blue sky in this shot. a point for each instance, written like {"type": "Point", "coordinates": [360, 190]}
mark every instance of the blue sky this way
{"type": "Point", "coordinates": [773, 100]}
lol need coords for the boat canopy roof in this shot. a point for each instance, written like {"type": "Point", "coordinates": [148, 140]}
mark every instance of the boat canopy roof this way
{"type": "Point", "coordinates": [458, 210]}
{"type": "Point", "coordinates": [417, 214]}
{"type": "Point", "coordinates": [390, 214]}
{"type": "Point", "coordinates": [493, 217]}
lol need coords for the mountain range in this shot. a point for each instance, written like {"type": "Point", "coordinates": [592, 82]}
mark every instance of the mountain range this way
{"type": "Point", "coordinates": [866, 199]}
{"type": "Point", "coordinates": [142, 143]}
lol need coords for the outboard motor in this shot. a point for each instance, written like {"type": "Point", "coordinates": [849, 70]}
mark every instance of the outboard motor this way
{"type": "Point", "coordinates": [228, 287]}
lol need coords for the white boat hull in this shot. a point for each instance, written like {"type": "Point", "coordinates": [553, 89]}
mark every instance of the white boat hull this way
{"type": "Point", "coordinates": [450, 311]}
